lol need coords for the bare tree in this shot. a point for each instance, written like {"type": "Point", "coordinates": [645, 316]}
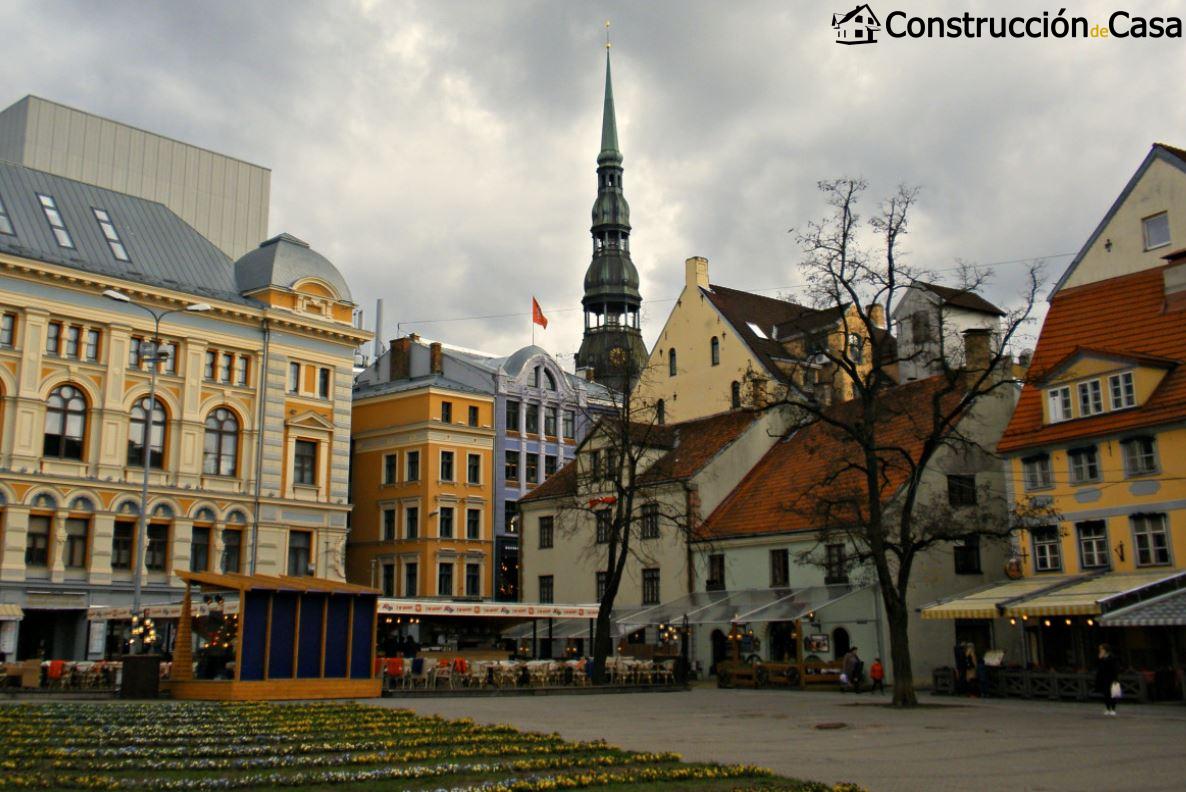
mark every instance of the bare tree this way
{"type": "Point", "coordinates": [870, 495]}
{"type": "Point", "coordinates": [618, 497]}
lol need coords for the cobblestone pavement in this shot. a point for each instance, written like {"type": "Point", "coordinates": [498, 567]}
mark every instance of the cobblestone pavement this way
{"type": "Point", "coordinates": [947, 744]}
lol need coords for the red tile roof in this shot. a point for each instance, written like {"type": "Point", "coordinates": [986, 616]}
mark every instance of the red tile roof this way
{"type": "Point", "coordinates": [693, 444]}
{"type": "Point", "coordinates": [1125, 315]}
{"type": "Point", "coordinates": [803, 482]}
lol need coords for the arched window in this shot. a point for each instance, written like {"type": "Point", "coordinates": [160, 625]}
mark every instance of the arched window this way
{"type": "Point", "coordinates": [735, 395]}
{"type": "Point", "coordinates": [661, 412]}
{"type": "Point", "coordinates": [221, 454]}
{"type": "Point", "coordinates": [237, 517]}
{"type": "Point", "coordinates": [156, 436]}
{"type": "Point", "coordinates": [671, 363]}
{"type": "Point", "coordinates": [65, 423]}
{"type": "Point", "coordinates": [549, 380]}
{"type": "Point", "coordinates": [715, 345]}
{"type": "Point", "coordinates": [204, 515]}
{"type": "Point", "coordinates": [162, 511]}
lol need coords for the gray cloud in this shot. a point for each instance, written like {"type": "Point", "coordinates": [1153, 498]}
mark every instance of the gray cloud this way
{"type": "Point", "coordinates": [442, 153]}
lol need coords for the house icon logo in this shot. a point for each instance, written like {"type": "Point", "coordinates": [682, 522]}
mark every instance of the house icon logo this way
{"type": "Point", "coordinates": [858, 26]}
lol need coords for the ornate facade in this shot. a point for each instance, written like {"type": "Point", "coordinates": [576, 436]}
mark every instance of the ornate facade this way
{"type": "Point", "coordinates": [248, 439]}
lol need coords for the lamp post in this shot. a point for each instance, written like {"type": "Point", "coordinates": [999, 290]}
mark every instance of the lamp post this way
{"type": "Point", "coordinates": [150, 352]}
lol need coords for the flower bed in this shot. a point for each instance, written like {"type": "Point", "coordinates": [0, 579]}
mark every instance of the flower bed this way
{"type": "Point", "coordinates": [200, 746]}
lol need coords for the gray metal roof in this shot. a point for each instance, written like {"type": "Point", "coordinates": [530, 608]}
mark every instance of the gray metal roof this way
{"type": "Point", "coordinates": [364, 389]}
{"type": "Point", "coordinates": [1168, 610]}
{"type": "Point", "coordinates": [284, 260]}
{"type": "Point", "coordinates": [164, 250]}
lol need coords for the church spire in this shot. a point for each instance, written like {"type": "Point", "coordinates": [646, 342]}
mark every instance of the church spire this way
{"type": "Point", "coordinates": [612, 346]}
{"type": "Point", "coordinates": [609, 122]}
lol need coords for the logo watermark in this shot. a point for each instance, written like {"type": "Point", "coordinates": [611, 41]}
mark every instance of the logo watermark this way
{"type": "Point", "coordinates": [860, 26]}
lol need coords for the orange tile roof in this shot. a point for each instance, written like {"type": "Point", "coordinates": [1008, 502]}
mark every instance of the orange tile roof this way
{"type": "Point", "coordinates": [693, 445]}
{"type": "Point", "coordinates": [1126, 316]}
{"type": "Point", "coordinates": [804, 481]}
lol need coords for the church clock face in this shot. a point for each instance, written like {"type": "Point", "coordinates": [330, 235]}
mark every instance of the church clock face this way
{"type": "Point", "coordinates": [617, 356]}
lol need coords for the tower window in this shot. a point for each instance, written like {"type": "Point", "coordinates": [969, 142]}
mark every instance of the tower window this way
{"type": "Point", "coordinates": [715, 347]}
{"type": "Point", "coordinates": [671, 367]}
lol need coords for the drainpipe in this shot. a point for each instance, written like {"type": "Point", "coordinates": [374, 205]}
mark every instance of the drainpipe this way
{"type": "Point", "coordinates": [259, 444]}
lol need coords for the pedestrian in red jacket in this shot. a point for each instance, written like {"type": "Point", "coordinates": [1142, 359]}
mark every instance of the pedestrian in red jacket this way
{"type": "Point", "coordinates": [877, 674]}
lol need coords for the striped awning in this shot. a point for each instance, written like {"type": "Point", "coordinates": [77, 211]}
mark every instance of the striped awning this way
{"type": "Point", "coordinates": [11, 612]}
{"type": "Point", "coordinates": [1168, 610]}
{"type": "Point", "coordinates": [1085, 597]}
{"type": "Point", "coordinates": [982, 603]}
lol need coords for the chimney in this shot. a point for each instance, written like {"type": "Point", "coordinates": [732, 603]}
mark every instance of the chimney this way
{"type": "Point", "coordinates": [876, 314]}
{"type": "Point", "coordinates": [399, 362]}
{"type": "Point", "coordinates": [378, 327]}
{"type": "Point", "coordinates": [588, 372]}
{"type": "Point", "coordinates": [434, 358]}
{"type": "Point", "coordinates": [696, 272]}
{"type": "Point", "coordinates": [977, 351]}
{"type": "Point", "coordinates": [1174, 281]}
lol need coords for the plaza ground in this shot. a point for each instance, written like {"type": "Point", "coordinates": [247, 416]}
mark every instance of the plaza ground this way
{"type": "Point", "coordinates": [948, 744]}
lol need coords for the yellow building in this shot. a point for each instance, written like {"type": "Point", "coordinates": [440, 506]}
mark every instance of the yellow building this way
{"type": "Point", "coordinates": [1096, 446]}
{"type": "Point", "coordinates": [422, 481]}
{"type": "Point", "coordinates": [247, 441]}
{"type": "Point", "coordinates": [723, 349]}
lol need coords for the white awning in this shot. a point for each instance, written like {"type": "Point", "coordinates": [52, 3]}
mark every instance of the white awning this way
{"type": "Point", "coordinates": [494, 610]}
{"type": "Point", "coordinates": [10, 612]}
{"type": "Point", "coordinates": [741, 606]}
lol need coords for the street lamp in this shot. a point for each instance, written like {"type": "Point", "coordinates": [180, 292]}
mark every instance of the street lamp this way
{"type": "Point", "coordinates": [151, 353]}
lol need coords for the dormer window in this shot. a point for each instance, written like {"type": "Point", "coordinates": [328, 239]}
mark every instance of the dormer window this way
{"type": "Point", "coordinates": [5, 221]}
{"type": "Point", "coordinates": [1059, 400]}
{"type": "Point", "coordinates": [1091, 398]}
{"type": "Point", "coordinates": [109, 233]}
{"type": "Point", "coordinates": [1123, 392]}
{"type": "Point", "coordinates": [1157, 230]}
{"type": "Point", "coordinates": [50, 207]}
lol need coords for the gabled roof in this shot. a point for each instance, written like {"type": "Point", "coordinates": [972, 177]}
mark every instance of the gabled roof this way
{"type": "Point", "coordinates": [1080, 352]}
{"type": "Point", "coordinates": [802, 482]}
{"type": "Point", "coordinates": [1125, 315]}
{"type": "Point", "coordinates": [961, 298]}
{"type": "Point", "coordinates": [854, 12]}
{"type": "Point", "coordinates": [1171, 154]}
{"type": "Point", "coordinates": [692, 445]}
{"type": "Point", "coordinates": [757, 321]}
{"type": "Point", "coordinates": [164, 250]}
{"type": "Point", "coordinates": [383, 388]}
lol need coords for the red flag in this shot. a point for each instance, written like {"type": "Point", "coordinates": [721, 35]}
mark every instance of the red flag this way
{"type": "Point", "coordinates": [537, 314]}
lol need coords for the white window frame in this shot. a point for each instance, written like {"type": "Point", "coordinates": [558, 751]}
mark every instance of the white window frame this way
{"type": "Point", "coordinates": [419, 522]}
{"type": "Point", "coordinates": [1122, 389]}
{"type": "Point", "coordinates": [1091, 398]}
{"type": "Point", "coordinates": [441, 466]}
{"type": "Point", "coordinates": [1058, 402]}
{"type": "Point", "coordinates": [1145, 221]}
{"type": "Point", "coordinates": [1081, 474]}
{"type": "Point", "coordinates": [1051, 560]}
{"type": "Point", "coordinates": [1142, 528]}
{"type": "Point", "coordinates": [1098, 552]}
{"type": "Point", "coordinates": [1131, 450]}
{"type": "Point", "coordinates": [1043, 465]}
{"type": "Point", "coordinates": [469, 457]}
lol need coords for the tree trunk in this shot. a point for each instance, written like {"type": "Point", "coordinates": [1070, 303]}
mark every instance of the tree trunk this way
{"type": "Point", "coordinates": [898, 616]}
{"type": "Point", "coordinates": [603, 644]}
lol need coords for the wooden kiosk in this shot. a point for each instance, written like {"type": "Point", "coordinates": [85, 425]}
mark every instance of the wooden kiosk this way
{"type": "Point", "coordinates": [296, 638]}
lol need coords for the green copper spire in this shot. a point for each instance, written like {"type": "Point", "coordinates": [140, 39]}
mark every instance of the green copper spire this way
{"type": "Point", "coordinates": [609, 122]}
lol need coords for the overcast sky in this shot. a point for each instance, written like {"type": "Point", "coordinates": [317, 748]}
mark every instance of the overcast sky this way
{"type": "Point", "coordinates": [442, 154]}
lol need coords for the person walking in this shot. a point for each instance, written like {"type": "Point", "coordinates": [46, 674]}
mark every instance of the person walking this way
{"type": "Point", "coordinates": [877, 676]}
{"type": "Point", "coordinates": [1107, 679]}
{"type": "Point", "coordinates": [853, 668]}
